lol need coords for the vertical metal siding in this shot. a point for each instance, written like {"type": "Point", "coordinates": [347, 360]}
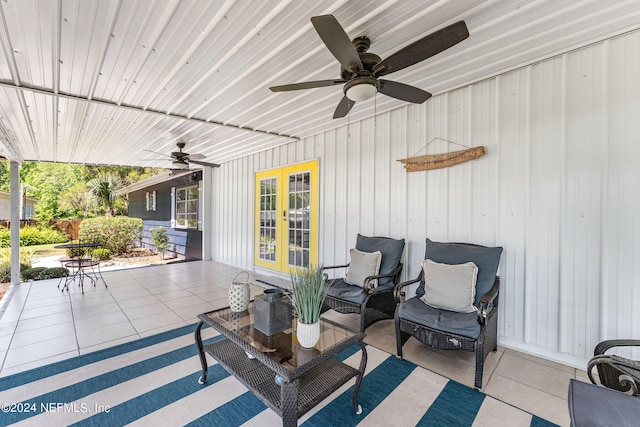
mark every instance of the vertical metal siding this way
{"type": "Point", "coordinates": [558, 188]}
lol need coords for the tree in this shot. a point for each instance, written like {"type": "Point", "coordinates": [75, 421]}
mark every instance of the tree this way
{"type": "Point", "coordinates": [103, 190]}
{"type": "Point", "coordinates": [76, 201]}
{"type": "Point", "coordinates": [46, 182]}
{"type": "Point", "coordinates": [58, 187]}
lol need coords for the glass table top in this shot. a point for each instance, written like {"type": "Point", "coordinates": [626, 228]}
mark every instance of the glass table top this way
{"type": "Point", "coordinates": [281, 347]}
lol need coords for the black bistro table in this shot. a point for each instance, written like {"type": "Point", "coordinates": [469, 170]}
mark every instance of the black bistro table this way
{"type": "Point", "coordinates": [288, 378]}
{"type": "Point", "coordinates": [78, 262]}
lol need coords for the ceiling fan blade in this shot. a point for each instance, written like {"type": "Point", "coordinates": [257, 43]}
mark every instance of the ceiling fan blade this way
{"type": "Point", "coordinates": [403, 92]}
{"type": "Point", "coordinates": [195, 156]}
{"type": "Point", "coordinates": [422, 49]}
{"type": "Point", "coordinates": [343, 108]}
{"type": "Point", "coordinates": [306, 85]}
{"type": "Point", "coordinates": [337, 41]}
{"type": "Point", "coordinates": [198, 162]}
{"type": "Point", "coordinates": [155, 152]}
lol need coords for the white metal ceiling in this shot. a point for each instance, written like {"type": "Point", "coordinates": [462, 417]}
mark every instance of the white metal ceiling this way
{"type": "Point", "coordinates": [102, 81]}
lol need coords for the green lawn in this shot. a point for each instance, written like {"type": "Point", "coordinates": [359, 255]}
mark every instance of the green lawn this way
{"type": "Point", "coordinates": [41, 251]}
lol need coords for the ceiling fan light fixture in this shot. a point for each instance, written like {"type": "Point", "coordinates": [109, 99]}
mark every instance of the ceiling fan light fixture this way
{"type": "Point", "coordinates": [361, 88]}
{"type": "Point", "coordinates": [179, 164]}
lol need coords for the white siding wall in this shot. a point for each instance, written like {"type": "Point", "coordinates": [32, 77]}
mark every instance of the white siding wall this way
{"type": "Point", "coordinates": [558, 188]}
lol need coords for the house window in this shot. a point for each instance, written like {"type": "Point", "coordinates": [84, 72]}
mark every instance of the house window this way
{"type": "Point", "coordinates": [28, 212]}
{"type": "Point", "coordinates": [186, 207]}
{"type": "Point", "coordinates": [151, 200]}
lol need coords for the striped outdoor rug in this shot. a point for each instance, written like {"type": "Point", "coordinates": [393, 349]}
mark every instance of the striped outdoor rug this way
{"type": "Point", "coordinates": [154, 381]}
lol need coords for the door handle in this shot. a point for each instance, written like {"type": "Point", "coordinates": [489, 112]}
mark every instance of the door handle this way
{"type": "Point", "coordinates": [284, 215]}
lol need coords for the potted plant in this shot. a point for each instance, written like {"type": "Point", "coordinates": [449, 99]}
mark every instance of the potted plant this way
{"type": "Point", "coordinates": [307, 296]}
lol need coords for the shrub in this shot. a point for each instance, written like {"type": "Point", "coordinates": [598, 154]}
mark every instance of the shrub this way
{"type": "Point", "coordinates": [31, 236]}
{"type": "Point", "coordinates": [118, 234]}
{"type": "Point", "coordinates": [101, 254]}
{"type": "Point", "coordinates": [26, 255]}
{"type": "Point", "coordinates": [43, 273]}
{"type": "Point", "coordinates": [75, 252]}
{"type": "Point", "coordinates": [53, 273]}
{"type": "Point", "coordinates": [31, 273]}
{"type": "Point", "coordinates": [5, 272]}
{"type": "Point", "coordinates": [160, 239]}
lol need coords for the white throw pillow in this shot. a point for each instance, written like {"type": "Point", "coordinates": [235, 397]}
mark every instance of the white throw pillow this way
{"type": "Point", "coordinates": [363, 265]}
{"type": "Point", "coordinates": [450, 287]}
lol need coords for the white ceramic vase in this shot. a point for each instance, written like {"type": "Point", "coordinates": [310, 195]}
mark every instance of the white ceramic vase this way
{"type": "Point", "coordinates": [308, 334]}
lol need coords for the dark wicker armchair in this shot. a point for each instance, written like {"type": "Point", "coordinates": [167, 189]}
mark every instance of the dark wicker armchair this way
{"type": "Point", "coordinates": [373, 299]}
{"type": "Point", "coordinates": [474, 331]}
{"type": "Point", "coordinates": [614, 371]}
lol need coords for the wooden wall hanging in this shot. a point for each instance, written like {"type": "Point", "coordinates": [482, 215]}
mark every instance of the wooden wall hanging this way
{"type": "Point", "coordinates": [438, 161]}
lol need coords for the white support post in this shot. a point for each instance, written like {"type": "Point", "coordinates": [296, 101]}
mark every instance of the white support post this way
{"type": "Point", "coordinates": [206, 212]}
{"type": "Point", "coordinates": [14, 178]}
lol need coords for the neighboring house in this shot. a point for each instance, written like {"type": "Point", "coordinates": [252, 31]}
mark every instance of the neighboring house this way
{"type": "Point", "coordinates": [170, 200]}
{"type": "Point", "coordinates": [27, 206]}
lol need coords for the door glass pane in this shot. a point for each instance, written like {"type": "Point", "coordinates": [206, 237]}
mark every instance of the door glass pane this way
{"type": "Point", "coordinates": [299, 198]}
{"type": "Point", "coordinates": [268, 215]}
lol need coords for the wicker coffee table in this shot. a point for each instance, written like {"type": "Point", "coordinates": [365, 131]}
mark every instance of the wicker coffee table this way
{"type": "Point", "coordinates": [307, 376]}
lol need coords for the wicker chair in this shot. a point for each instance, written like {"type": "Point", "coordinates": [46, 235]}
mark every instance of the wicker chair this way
{"type": "Point", "coordinates": [614, 371]}
{"type": "Point", "coordinates": [446, 329]}
{"type": "Point", "coordinates": [373, 299]}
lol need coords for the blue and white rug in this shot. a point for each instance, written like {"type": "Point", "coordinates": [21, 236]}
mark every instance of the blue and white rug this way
{"type": "Point", "coordinates": [154, 381]}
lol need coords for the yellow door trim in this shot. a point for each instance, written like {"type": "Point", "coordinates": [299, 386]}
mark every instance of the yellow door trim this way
{"type": "Point", "coordinates": [275, 257]}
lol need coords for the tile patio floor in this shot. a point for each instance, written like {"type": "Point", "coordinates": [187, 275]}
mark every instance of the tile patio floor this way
{"type": "Point", "coordinates": [40, 325]}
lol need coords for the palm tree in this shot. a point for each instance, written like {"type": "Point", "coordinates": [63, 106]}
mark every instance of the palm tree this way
{"type": "Point", "coordinates": [103, 189]}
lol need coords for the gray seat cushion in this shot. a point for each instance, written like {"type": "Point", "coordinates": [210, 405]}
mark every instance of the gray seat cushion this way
{"type": "Point", "coordinates": [391, 250]}
{"type": "Point", "coordinates": [593, 405]}
{"type": "Point", "coordinates": [344, 291]}
{"type": "Point", "coordinates": [465, 324]}
{"type": "Point", "coordinates": [487, 259]}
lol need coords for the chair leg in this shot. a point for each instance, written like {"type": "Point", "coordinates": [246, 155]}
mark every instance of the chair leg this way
{"type": "Point", "coordinates": [98, 274]}
{"type": "Point", "coordinates": [401, 337]}
{"type": "Point", "coordinates": [480, 356]}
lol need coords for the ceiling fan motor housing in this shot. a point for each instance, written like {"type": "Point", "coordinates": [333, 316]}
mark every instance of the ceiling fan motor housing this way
{"type": "Point", "coordinates": [365, 76]}
{"type": "Point", "coordinates": [368, 59]}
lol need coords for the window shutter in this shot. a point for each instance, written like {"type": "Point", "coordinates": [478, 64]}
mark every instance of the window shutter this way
{"type": "Point", "coordinates": [200, 205]}
{"type": "Point", "coordinates": [173, 207]}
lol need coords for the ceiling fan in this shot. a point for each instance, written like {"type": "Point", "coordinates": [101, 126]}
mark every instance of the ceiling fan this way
{"type": "Point", "coordinates": [181, 160]}
{"type": "Point", "coordinates": [360, 70]}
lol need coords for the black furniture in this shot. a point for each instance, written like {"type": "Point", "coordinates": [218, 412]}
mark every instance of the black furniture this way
{"type": "Point", "coordinates": [593, 405]}
{"type": "Point", "coordinates": [615, 372]}
{"type": "Point", "coordinates": [474, 331]}
{"type": "Point", "coordinates": [81, 264]}
{"type": "Point", "coordinates": [374, 298]}
{"type": "Point", "coordinates": [305, 376]}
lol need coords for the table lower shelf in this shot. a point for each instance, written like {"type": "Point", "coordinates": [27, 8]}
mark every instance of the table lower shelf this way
{"type": "Point", "coordinates": [314, 387]}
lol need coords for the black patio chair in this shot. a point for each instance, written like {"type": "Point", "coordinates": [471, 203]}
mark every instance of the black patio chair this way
{"type": "Point", "coordinates": [363, 291]}
{"type": "Point", "coordinates": [615, 372]}
{"type": "Point", "coordinates": [451, 311]}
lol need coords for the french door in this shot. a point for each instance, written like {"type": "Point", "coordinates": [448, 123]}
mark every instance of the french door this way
{"type": "Point", "coordinates": [286, 230]}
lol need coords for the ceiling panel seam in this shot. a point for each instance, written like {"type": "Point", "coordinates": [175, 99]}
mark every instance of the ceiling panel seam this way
{"type": "Point", "coordinates": [135, 108]}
